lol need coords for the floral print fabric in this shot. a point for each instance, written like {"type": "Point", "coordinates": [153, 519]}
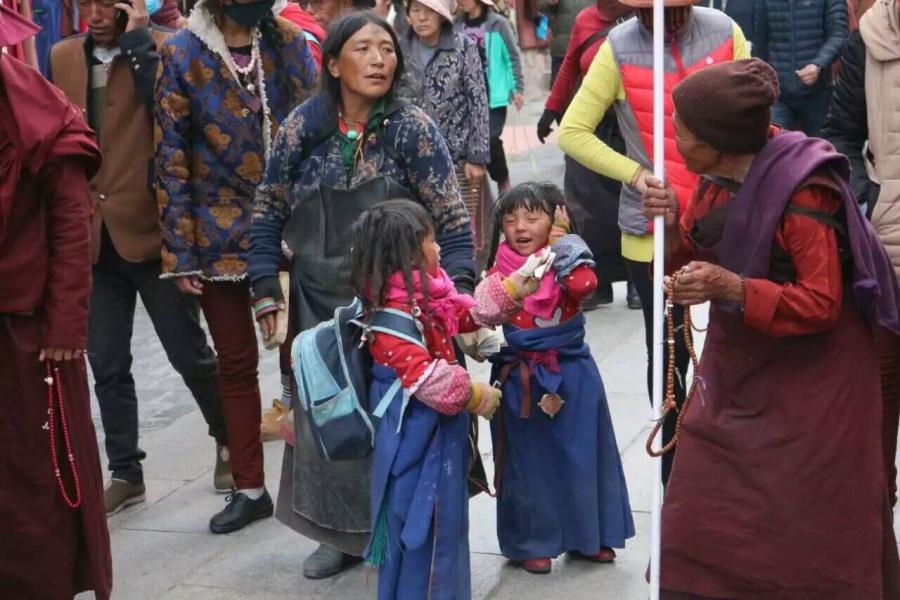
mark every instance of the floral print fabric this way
{"type": "Point", "coordinates": [451, 90]}
{"type": "Point", "coordinates": [210, 155]}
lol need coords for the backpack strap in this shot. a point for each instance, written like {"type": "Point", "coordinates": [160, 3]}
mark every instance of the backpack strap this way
{"type": "Point", "coordinates": [397, 323]}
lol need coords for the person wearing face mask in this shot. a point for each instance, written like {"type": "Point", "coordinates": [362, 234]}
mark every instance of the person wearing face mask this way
{"type": "Point", "coordinates": [225, 84]}
{"type": "Point", "coordinates": [621, 77]}
{"type": "Point", "coordinates": [350, 146]}
{"type": "Point", "coordinates": [110, 73]}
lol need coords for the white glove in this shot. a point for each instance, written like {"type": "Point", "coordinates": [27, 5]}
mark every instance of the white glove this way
{"type": "Point", "coordinates": [537, 264]}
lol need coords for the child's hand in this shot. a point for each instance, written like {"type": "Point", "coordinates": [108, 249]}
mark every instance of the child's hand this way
{"type": "Point", "coordinates": [484, 400]}
{"type": "Point", "coordinates": [561, 218]}
{"type": "Point", "coordinates": [561, 224]}
{"type": "Point", "coordinates": [527, 279]}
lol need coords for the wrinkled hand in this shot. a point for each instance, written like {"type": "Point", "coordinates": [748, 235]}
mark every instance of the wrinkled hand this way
{"type": "Point", "coordinates": [474, 172]}
{"type": "Point", "coordinates": [545, 124]}
{"type": "Point", "coordinates": [489, 397]}
{"type": "Point", "coordinates": [137, 14]}
{"type": "Point", "coordinates": [59, 354]}
{"type": "Point", "coordinates": [518, 100]}
{"type": "Point", "coordinates": [701, 282]}
{"type": "Point", "coordinates": [659, 200]}
{"type": "Point", "coordinates": [809, 74]}
{"type": "Point", "coordinates": [190, 284]}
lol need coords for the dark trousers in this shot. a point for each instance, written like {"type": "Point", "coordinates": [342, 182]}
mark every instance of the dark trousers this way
{"type": "Point", "coordinates": [226, 306]}
{"type": "Point", "coordinates": [594, 206]}
{"type": "Point", "coordinates": [176, 319]}
{"type": "Point", "coordinates": [888, 347]}
{"type": "Point", "coordinates": [804, 114]}
{"type": "Point", "coordinates": [555, 64]}
{"type": "Point", "coordinates": [639, 274]}
{"type": "Point", "coordinates": [498, 169]}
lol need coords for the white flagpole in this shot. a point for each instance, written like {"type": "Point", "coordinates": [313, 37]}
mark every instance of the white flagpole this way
{"type": "Point", "coordinates": [659, 233]}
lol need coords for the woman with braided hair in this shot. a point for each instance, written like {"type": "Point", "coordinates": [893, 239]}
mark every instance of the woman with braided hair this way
{"type": "Point", "coordinates": [226, 82]}
{"type": "Point", "coordinates": [778, 488]}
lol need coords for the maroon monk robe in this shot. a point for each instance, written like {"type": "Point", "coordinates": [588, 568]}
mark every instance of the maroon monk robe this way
{"type": "Point", "coordinates": [777, 490]}
{"type": "Point", "coordinates": [47, 156]}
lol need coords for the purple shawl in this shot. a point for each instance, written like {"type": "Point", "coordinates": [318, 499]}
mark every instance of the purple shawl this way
{"type": "Point", "coordinates": [786, 162]}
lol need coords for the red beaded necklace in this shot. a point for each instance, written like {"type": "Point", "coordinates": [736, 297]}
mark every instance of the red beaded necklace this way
{"type": "Point", "coordinates": [56, 399]}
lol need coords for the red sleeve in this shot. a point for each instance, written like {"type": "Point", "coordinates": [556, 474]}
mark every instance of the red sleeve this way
{"type": "Point", "coordinates": [581, 282]}
{"type": "Point", "coordinates": [467, 324]}
{"type": "Point", "coordinates": [568, 76]}
{"type": "Point", "coordinates": [69, 278]}
{"type": "Point", "coordinates": [316, 51]}
{"type": "Point", "coordinates": [436, 383]}
{"type": "Point", "coordinates": [408, 360]}
{"type": "Point", "coordinates": [813, 303]}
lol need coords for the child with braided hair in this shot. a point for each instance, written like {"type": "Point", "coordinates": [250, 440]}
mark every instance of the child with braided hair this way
{"type": "Point", "coordinates": [559, 478]}
{"type": "Point", "coordinates": [420, 464]}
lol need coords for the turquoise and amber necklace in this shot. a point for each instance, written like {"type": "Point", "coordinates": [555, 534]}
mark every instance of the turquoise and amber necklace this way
{"type": "Point", "coordinates": [352, 146]}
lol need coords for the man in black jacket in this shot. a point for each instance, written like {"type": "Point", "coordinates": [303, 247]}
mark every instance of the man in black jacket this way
{"type": "Point", "coordinates": [801, 40]}
{"type": "Point", "coordinates": [847, 123]}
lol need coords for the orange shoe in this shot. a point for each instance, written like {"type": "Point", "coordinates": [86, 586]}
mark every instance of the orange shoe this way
{"type": "Point", "coordinates": [270, 427]}
{"type": "Point", "coordinates": [539, 566]}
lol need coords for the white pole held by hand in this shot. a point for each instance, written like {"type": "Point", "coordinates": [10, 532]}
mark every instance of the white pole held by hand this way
{"type": "Point", "coordinates": [659, 232]}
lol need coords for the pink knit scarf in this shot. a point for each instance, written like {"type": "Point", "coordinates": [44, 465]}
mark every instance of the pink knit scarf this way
{"type": "Point", "coordinates": [546, 300]}
{"type": "Point", "coordinates": [444, 302]}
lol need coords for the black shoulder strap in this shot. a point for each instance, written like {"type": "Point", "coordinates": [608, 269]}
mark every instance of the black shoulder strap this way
{"type": "Point", "coordinates": [828, 219]}
{"type": "Point", "coordinates": [596, 36]}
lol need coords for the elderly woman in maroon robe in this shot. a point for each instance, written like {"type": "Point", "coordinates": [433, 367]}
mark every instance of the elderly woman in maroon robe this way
{"type": "Point", "coordinates": [778, 489]}
{"type": "Point", "coordinates": [55, 542]}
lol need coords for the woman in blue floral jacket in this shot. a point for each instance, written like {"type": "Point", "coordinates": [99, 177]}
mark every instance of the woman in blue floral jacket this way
{"type": "Point", "coordinates": [343, 150]}
{"type": "Point", "coordinates": [226, 81]}
{"type": "Point", "coordinates": [443, 76]}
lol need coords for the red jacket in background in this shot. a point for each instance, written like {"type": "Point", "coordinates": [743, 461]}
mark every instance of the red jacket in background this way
{"type": "Point", "coordinates": [305, 21]}
{"type": "Point", "coordinates": [578, 60]}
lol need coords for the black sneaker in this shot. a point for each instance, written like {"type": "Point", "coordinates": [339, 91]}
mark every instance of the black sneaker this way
{"type": "Point", "coordinates": [241, 511]}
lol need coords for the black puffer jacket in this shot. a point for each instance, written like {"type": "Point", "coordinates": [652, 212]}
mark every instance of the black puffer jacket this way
{"type": "Point", "coordinates": [791, 34]}
{"type": "Point", "coordinates": [847, 124]}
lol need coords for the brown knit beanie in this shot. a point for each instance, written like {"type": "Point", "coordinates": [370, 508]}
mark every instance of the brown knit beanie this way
{"type": "Point", "coordinates": [729, 105]}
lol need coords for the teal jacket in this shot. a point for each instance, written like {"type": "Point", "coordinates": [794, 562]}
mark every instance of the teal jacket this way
{"type": "Point", "coordinates": [503, 62]}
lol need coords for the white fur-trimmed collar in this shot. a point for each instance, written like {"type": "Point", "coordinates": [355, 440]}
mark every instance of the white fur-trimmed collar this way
{"type": "Point", "coordinates": [201, 23]}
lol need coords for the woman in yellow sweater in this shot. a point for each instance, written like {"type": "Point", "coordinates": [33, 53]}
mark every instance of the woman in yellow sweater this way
{"type": "Point", "coordinates": [621, 76]}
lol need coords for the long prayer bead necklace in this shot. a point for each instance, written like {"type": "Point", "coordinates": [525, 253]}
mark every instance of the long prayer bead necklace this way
{"type": "Point", "coordinates": [55, 398]}
{"type": "Point", "coordinates": [669, 404]}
